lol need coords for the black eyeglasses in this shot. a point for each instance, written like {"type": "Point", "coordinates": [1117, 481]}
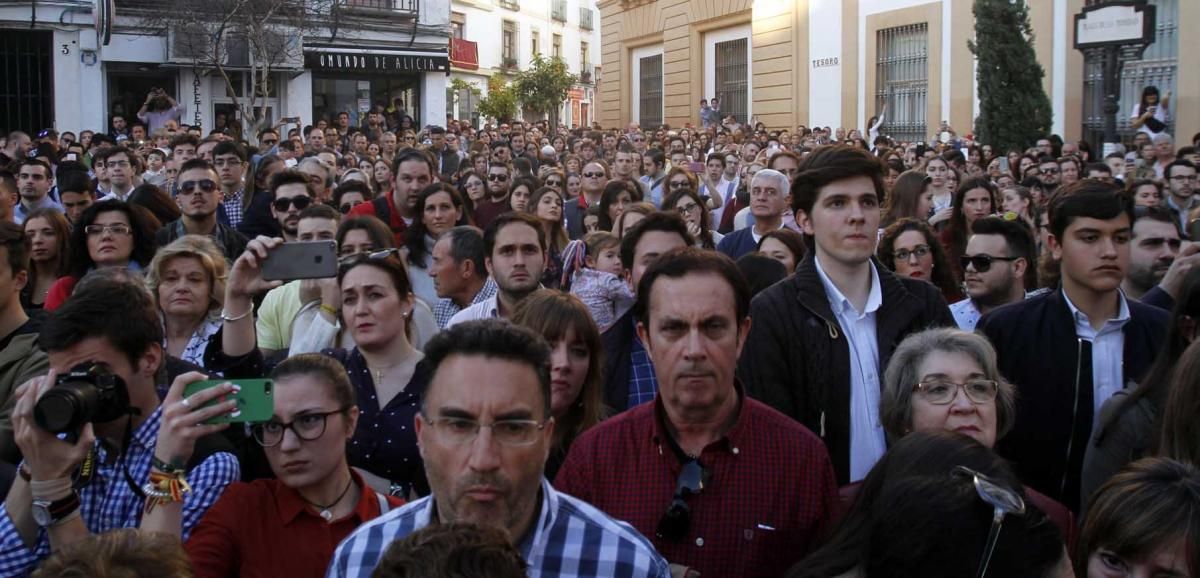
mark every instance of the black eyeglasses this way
{"type": "Point", "coordinates": [593, 175]}
{"type": "Point", "coordinates": [308, 427]}
{"type": "Point", "coordinates": [553, 183]}
{"type": "Point", "coordinates": [1004, 501]}
{"type": "Point", "coordinates": [497, 177]}
{"type": "Point", "coordinates": [300, 202]}
{"type": "Point", "coordinates": [982, 262]}
{"type": "Point", "coordinates": [679, 184]}
{"type": "Point", "coordinates": [677, 520]}
{"type": "Point", "coordinates": [203, 185]}
{"type": "Point", "coordinates": [920, 251]}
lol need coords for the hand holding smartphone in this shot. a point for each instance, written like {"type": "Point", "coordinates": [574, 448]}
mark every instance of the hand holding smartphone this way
{"type": "Point", "coordinates": [255, 401]}
{"type": "Point", "coordinates": [301, 260]}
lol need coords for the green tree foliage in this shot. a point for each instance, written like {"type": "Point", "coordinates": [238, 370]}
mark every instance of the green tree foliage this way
{"type": "Point", "coordinates": [501, 100]}
{"type": "Point", "coordinates": [1013, 108]}
{"type": "Point", "coordinates": [542, 88]}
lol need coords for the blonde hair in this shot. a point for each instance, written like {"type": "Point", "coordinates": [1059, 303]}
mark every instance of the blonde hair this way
{"type": "Point", "coordinates": [204, 250]}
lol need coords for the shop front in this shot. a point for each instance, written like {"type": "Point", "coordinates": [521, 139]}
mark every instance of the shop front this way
{"type": "Point", "coordinates": [354, 81]}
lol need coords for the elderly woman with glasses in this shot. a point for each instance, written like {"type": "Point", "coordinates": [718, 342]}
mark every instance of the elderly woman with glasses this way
{"type": "Point", "coordinates": [946, 379]}
{"type": "Point", "coordinates": [388, 373]}
{"type": "Point", "coordinates": [315, 500]}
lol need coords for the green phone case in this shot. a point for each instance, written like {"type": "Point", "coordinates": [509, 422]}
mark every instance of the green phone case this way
{"type": "Point", "coordinates": [256, 401]}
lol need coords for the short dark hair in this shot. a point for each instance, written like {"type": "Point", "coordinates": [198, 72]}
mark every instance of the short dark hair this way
{"type": "Point", "coordinates": [435, 129]}
{"type": "Point", "coordinates": [656, 156]}
{"type": "Point", "coordinates": [1177, 163]}
{"type": "Point", "coordinates": [197, 163]}
{"type": "Point", "coordinates": [715, 157]}
{"type": "Point", "coordinates": [74, 182]}
{"type": "Point", "coordinates": [320, 211]}
{"type": "Point", "coordinates": [89, 313]}
{"type": "Point", "coordinates": [1016, 235]}
{"type": "Point", "coordinates": [12, 237]}
{"type": "Point", "coordinates": [509, 218]}
{"type": "Point", "coordinates": [454, 549]}
{"type": "Point", "coordinates": [492, 338]}
{"type": "Point", "coordinates": [28, 162]}
{"type": "Point", "coordinates": [351, 186]}
{"type": "Point", "coordinates": [688, 260]}
{"type": "Point", "coordinates": [229, 147]}
{"type": "Point", "coordinates": [663, 221]}
{"type": "Point", "coordinates": [291, 177]}
{"type": "Point", "coordinates": [183, 139]}
{"type": "Point", "coordinates": [1091, 198]}
{"type": "Point", "coordinates": [828, 164]}
{"type": "Point", "coordinates": [760, 271]}
{"type": "Point", "coordinates": [411, 154]}
{"type": "Point", "coordinates": [1098, 167]}
{"type": "Point", "coordinates": [1160, 213]}
{"type": "Point", "coordinates": [466, 242]}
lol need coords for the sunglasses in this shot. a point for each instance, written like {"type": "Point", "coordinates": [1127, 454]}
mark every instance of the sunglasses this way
{"type": "Point", "coordinates": [359, 258]}
{"type": "Point", "coordinates": [982, 263]}
{"type": "Point", "coordinates": [553, 183]}
{"type": "Point", "coordinates": [677, 520]}
{"type": "Point", "coordinates": [1004, 502]}
{"type": "Point", "coordinates": [593, 175]}
{"type": "Point", "coordinates": [204, 185]}
{"type": "Point", "coordinates": [497, 177]}
{"type": "Point", "coordinates": [300, 203]}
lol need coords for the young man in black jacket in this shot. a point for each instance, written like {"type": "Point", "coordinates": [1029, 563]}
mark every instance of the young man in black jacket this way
{"type": "Point", "coordinates": [1069, 350]}
{"type": "Point", "coordinates": [821, 339]}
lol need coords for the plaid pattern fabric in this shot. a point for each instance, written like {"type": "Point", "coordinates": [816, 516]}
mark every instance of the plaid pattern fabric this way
{"type": "Point", "coordinates": [233, 209]}
{"type": "Point", "coordinates": [107, 503]}
{"type": "Point", "coordinates": [446, 308]}
{"type": "Point", "coordinates": [643, 384]}
{"type": "Point", "coordinates": [770, 494]}
{"type": "Point", "coordinates": [572, 539]}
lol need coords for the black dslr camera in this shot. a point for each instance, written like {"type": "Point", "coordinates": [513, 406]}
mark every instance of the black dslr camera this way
{"type": "Point", "coordinates": [89, 393]}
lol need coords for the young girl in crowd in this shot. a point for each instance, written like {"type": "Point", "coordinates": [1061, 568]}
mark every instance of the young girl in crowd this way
{"type": "Point", "coordinates": [592, 272]}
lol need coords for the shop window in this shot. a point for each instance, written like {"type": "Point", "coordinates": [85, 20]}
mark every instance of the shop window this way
{"type": "Point", "coordinates": [902, 85]}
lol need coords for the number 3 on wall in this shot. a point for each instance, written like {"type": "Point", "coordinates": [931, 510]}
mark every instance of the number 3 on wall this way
{"type": "Point", "coordinates": [66, 49]}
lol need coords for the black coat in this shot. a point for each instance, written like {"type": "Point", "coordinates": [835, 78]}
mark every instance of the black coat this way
{"type": "Point", "coordinates": [797, 359]}
{"type": "Point", "coordinates": [1038, 351]}
{"type": "Point", "coordinates": [618, 342]}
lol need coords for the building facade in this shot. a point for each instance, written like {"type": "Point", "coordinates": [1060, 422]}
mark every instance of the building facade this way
{"type": "Point", "coordinates": [500, 37]}
{"type": "Point", "coordinates": [840, 62]}
{"type": "Point", "coordinates": [58, 71]}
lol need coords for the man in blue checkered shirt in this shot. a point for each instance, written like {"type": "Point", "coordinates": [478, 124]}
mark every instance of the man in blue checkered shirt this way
{"type": "Point", "coordinates": [485, 432]}
{"type": "Point", "coordinates": [46, 508]}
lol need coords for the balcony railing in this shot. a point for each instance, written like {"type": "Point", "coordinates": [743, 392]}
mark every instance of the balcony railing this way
{"type": "Point", "coordinates": [585, 18]}
{"type": "Point", "coordinates": [406, 7]}
{"type": "Point", "coordinates": [510, 4]}
{"type": "Point", "coordinates": [464, 54]}
{"type": "Point", "coordinates": [559, 10]}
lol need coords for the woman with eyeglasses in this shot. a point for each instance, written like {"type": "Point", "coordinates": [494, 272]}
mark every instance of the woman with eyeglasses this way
{"type": "Point", "coordinates": [441, 208]}
{"type": "Point", "coordinates": [910, 248]}
{"type": "Point", "coordinates": [386, 370]}
{"type": "Point", "coordinates": [576, 380]}
{"type": "Point", "coordinates": [1143, 522]}
{"type": "Point", "coordinates": [929, 507]}
{"type": "Point", "coordinates": [315, 500]}
{"type": "Point", "coordinates": [48, 232]}
{"type": "Point", "coordinates": [109, 234]}
{"type": "Point", "coordinates": [685, 201]}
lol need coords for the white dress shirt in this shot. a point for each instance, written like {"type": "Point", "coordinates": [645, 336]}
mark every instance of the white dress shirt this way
{"type": "Point", "coordinates": [486, 309]}
{"type": "Point", "coordinates": [867, 441]}
{"type": "Point", "coordinates": [1108, 352]}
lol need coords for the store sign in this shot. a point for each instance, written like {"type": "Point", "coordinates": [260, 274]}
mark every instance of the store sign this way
{"type": "Point", "coordinates": [1114, 24]}
{"type": "Point", "coordinates": [360, 62]}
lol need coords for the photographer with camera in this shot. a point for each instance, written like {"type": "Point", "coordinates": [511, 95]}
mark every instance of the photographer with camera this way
{"type": "Point", "coordinates": [158, 109]}
{"type": "Point", "coordinates": [101, 451]}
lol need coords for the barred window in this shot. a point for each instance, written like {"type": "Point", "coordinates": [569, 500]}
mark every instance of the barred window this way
{"type": "Point", "coordinates": [731, 77]}
{"type": "Point", "coordinates": [650, 101]}
{"type": "Point", "coordinates": [902, 80]}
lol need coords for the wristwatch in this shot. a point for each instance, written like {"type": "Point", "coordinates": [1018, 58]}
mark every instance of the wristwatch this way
{"type": "Point", "coordinates": [47, 513]}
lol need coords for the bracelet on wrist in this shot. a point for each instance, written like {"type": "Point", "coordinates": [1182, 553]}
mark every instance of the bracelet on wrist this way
{"type": "Point", "coordinates": [165, 489]}
{"type": "Point", "coordinates": [226, 318]}
{"type": "Point", "coordinates": [167, 468]}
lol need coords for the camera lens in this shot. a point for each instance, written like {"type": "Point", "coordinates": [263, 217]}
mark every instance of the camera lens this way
{"type": "Point", "coordinates": [66, 406]}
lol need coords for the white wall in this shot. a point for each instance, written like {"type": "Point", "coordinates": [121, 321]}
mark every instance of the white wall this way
{"type": "Point", "coordinates": [825, 83]}
{"type": "Point", "coordinates": [77, 108]}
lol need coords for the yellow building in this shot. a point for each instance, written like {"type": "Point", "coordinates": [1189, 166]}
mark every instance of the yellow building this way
{"type": "Point", "coordinates": [839, 62]}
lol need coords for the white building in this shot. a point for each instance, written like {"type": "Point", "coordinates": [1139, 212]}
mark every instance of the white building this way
{"type": "Point", "coordinates": [491, 37]}
{"type": "Point", "coordinates": [382, 50]}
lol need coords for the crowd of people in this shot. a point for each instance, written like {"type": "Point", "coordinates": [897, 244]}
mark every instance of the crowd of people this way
{"type": "Point", "coordinates": [723, 350]}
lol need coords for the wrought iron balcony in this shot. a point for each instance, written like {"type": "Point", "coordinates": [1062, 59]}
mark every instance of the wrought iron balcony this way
{"type": "Point", "coordinates": [403, 7]}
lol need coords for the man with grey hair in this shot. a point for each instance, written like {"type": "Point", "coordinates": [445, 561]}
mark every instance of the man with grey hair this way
{"type": "Point", "coordinates": [1164, 153]}
{"type": "Point", "coordinates": [768, 202]}
{"type": "Point", "coordinates": [459, 274]}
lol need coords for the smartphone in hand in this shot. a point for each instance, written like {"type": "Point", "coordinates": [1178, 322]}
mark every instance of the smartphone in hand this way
{"type": "Point", "coordinates": [255, 401]}
{"type": "Point", "coordinates": [301, 260]}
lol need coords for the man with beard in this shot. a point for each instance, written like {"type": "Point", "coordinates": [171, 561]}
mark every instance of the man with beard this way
{"type": "Point", "coordinates": [515, 245]}
{"type": "Point", "coordinates": [498, 181]}
{"type": "Point", "coordinates": [996, 263]}
{"type": "Point", "coordinates": [484, 451]}
{"type": "Point", "coordinates": [34, 180]}
{"type": "Point", "coordinates": [292, 193]}
{"type": "Point", "coordinates": [199, 196]}
{"type": "Point", "coordinates": [1153, 248]}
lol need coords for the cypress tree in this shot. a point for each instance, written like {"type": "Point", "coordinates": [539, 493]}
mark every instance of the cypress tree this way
{"type": "Point", "coordinates": [1014, 110]}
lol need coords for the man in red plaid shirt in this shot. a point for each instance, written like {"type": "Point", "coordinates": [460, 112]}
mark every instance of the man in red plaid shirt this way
{"type": "Point", "coordinates": [722, 484]}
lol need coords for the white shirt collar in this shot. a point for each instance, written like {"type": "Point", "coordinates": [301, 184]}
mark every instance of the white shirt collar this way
{"type": "Point", "coordinates": [839, 301]}
{"type": "Point", "coordinates": [1083, 325]}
